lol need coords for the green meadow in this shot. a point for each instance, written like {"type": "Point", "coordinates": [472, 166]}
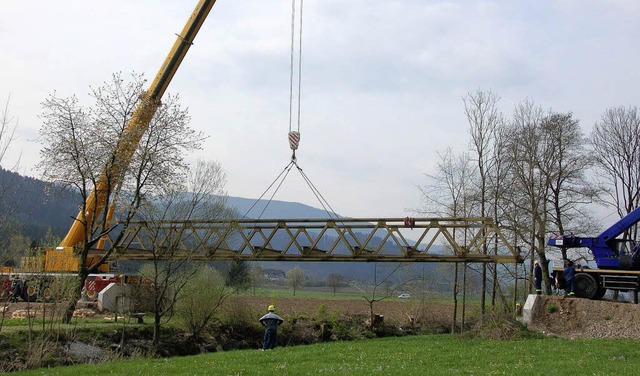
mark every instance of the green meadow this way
{"type": "Point", "coordinates": [412, 355]}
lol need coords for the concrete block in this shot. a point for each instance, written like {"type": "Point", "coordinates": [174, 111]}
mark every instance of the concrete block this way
{"type": "Point", "coordinates": [529, 308]}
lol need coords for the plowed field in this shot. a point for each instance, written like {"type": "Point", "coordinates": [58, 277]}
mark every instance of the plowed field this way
{"type": "Point", "coordinates": [396, 311]}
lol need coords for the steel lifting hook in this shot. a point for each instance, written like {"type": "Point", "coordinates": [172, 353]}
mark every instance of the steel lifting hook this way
{"type": "Point", "coordinates": [294, 142]}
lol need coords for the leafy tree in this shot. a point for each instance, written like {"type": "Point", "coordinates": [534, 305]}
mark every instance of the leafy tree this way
{"type": "Point", "coordinates": [200, 299]}
{"type": "Point", "coordinates": [238, 276]}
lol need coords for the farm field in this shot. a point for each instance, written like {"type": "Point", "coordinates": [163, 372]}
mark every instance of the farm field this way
{"type": "Point", "coordinates": [306, 302]}
{"type": "Point", "coordinates": [444, 354]}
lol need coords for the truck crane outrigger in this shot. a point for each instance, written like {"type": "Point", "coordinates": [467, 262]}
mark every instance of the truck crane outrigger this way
{"type": "Point", "coordinates": [63, 259]}
{"type": "Point", "coordinates": [618, 259]}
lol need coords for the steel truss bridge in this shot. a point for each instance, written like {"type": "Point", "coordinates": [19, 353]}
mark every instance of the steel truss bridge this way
{"type": "Point", "coordinates": [343, 239]}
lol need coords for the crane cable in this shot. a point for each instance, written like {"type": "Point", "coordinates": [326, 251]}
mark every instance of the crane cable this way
{"type": "Point", "coordinates": [294, 135]}
{"type": "Point", "coordinates": [330, 212]}
{"type": "Point", "coordinates": [280, 180]}
{"type": "Point", "coordinates": [284, 172]}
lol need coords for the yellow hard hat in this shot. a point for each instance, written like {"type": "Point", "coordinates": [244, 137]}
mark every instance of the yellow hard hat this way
{"type": "Point", "coordinates": [272, 308]}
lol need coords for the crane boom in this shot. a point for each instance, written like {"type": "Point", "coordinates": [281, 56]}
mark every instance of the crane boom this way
{"type": "Point", "coordinates": [608, 250]}
{"type": "Point", "coordinates": [137, 125]}
{"type": "Point", "coordinates": [618, 260]}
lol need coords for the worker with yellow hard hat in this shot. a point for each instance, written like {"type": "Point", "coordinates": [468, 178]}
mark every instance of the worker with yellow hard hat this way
{"type": "Point", "coordinates": [270, 321]}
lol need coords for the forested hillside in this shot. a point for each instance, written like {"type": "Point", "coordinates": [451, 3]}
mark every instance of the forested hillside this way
{"type": "Point", "coordinates": [37, 206]}
{"type": "Point", "coordinates": [35, 210]}
{"type": "Point", "coordinates": [33, 206]}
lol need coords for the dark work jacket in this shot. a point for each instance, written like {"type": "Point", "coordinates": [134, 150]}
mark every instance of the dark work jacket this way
{"type": "Point", "coordinates": [271, 320]}
{"type": "Point", "coordinates": [569, 273]}
{"type": "Point", "coordinates": [537, 272]}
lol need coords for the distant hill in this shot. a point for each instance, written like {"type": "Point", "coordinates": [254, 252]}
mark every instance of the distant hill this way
{"type": "Point", "coordinates": [40, 206]}
{"type": "Point", "coordinates": [36, 205]}
{"type": "Point", "coordinates": [251, 208]}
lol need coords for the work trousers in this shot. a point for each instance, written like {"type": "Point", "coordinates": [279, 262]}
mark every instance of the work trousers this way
{"type": "Point", "coordinates": [270, 337]}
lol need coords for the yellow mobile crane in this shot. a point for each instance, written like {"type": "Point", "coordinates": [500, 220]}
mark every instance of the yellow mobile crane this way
{"type": "Point", "coordinates": [63, 258]}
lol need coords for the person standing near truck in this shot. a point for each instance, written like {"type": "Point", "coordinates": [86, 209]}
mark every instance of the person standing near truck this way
{"type": "Point", "coordinates": [270, 321]}
{"type": "Point", "coordinates": [537, 277]}
{"type": "Point", "coordinates": [569, 275]}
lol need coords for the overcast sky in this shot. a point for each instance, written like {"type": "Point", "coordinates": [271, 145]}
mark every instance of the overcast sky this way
{"type": "Point", "coordinates": [382, 81]}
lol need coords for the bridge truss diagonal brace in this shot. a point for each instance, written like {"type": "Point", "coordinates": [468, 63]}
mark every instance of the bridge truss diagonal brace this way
{"type": "Point", "coordinates": [344, 239]}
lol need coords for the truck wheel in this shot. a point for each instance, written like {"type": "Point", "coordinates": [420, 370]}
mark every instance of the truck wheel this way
{"type": "Point", "coordinates": [5, 288]}
{"type": "Point", "coordinates": [31, 293]}
{"type": "Point", "coordinates": [47, 294]}
{"type": "Point", "coordinates": [586, 286]}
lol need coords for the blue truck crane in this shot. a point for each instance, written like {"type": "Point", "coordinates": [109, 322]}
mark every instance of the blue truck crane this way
{"type": "Point", "coordinates": [618, 260]}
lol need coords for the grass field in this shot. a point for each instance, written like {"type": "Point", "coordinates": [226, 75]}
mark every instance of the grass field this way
{"type": "Point", "coordinates": [341, 294]}
{"type": "Point", "coordinates": [414, 355]}
{"type": "Point", "coordinates": [306, 294]}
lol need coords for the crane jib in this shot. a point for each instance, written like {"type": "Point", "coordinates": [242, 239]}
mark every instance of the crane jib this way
{"type": "Point", "coordinates": [139, 122]}
{"type": "Point", "coordinates": [179, 50]}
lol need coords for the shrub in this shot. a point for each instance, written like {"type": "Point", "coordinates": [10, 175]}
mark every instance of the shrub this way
{"type": "Point", "coordinates": [200, 299]}
{"type": "Point", "coordinates": [499, 326]}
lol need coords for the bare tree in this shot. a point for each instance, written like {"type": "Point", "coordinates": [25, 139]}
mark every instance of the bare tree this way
{"type": "Point", "coordinates": [172, 267]}
{"type": "Point", "coordinates": [449, 190]}
{"type": "Point", "coordinates": [617, 151]}
{"type": "Point", "coordinates": [295, 278]}
{"type": "Point", "coordinates": [82, 149]}
{"type": "Point", "coordinates": [565, 168]}
{"type": "Point", "coordinates": [256, 277]}
{"type": "Point", "coordinates": [385, 282]}
{"type": "Point", "coordinates": [484, 120]}
{"type": "Point", "coordinates": [11, 194]}
{"type": "Point", "coordinates": [499, 186]}
{"type": "Point", "coordinates": [531, 185]}
{"type": "Point", "coordinates": [548, 159]}
{"type": "Point", "coordinates": [8, 126]}
{"type": "Point", "coordinates": [334, 280]}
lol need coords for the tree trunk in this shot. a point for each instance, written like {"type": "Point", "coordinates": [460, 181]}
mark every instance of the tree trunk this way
{"type": "Point", "coordinates": [156, 328]}
{"type": "Point", "coordinates": [464, 295]}
{"type": "Point", "coordinates": [76, 296]}
{"type": "Point", "coordinates": [455, 299]}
